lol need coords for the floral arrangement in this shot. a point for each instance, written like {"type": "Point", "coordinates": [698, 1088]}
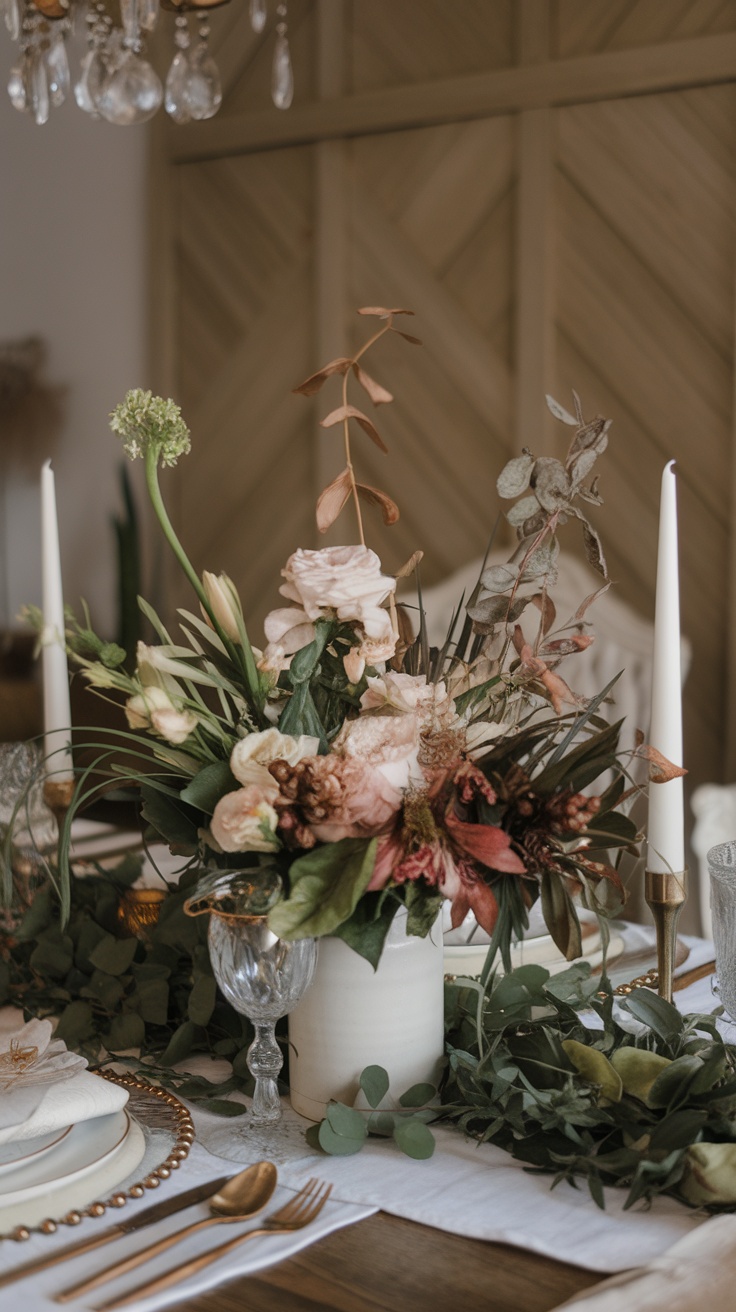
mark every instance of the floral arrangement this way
{"type": "Point", "coordinates": [354, 767]}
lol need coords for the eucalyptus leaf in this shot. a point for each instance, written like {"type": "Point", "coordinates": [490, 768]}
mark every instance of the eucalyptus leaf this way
{"type": "Point", "coordinates": [418, 1095]}
{"type": "Point", "coordinates": [346, 1121]}
{"type": "Point", "coordinates": [374, 1082]}
{"type": "Point", "coordinates": [202, 999]}
{"type": "Point", "coordinates": [414, 1139]}
{"type": "Point", "coordinates": [514, 477]}
{"type": "Point", "coordinates": [338, 1145]}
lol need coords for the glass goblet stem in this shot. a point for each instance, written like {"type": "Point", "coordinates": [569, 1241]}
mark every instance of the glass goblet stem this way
{"type": "Point", "coordinates": [264, 1063]}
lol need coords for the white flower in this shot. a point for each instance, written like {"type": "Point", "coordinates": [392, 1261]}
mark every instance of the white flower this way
{"type": "Point", "coordinates": [346, 580]}
{"type": "Point", "coordinates": [287, 630]}
{"type": "Point", "coordinates": [245, 820]}
{"type": "Point", "coordinates": [224, 601]}
{"type": "Point", "coordinates": [408, 694]}
{"type": "Point", "coordinates": [153, 709]}
{"type": "Point", "coordinates": [251, 756]}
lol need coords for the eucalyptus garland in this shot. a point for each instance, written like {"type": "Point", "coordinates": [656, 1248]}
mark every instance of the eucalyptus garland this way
{"type": "Point", "coordinates": [156, 996]}
{"type": "Point", "coordinates": [636, 1096]}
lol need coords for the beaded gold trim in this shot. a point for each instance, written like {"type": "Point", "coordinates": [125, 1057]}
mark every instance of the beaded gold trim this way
{"type": "Point", "coordinates": [151, 1106]}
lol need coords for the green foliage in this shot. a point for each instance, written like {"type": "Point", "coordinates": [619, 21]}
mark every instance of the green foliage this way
{"type": "Point", "coordinates": [344, 1130]}
{"type": "Point", "coordinates": [605, 1104]}
{"type": "Point", "coordinates": [326, 885]}
{"type": "Point", "coordinates": [156, 995]}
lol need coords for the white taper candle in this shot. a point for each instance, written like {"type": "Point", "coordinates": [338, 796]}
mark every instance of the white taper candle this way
{"type": "Point", "coordinates": [57, 715]}
{"type": "Point", "coordinates": [665, 834]}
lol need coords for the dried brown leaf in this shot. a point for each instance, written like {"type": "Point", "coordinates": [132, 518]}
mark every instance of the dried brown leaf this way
{"type": "Point", "coordinates": [660, 769]}
{"type": "Point", "coordinates": [315, 381]}
{"type": "Point", "coordinates": [594, 549]}
{"type": "Point", "coordinates": [415, 341]}
{"type": "Point", "coordinates": [332, 500]}
{"type": "Point", "coordinates": [381, 311]}
{"type": "Point", "coordinates": [350, 412]}
{"type": "Point", "coordinates": [375, 497]}
{"type": "Point", "coordinates": [591, 597]}
{"type": "Point", "coordinates": [410, 565]}
{"type": "Point", "coordinates": [546, 605]}
{"type": "Point", "coordinates": [378, 394]}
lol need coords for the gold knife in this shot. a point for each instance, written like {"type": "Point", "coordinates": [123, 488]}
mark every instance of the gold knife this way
{"type": "Point", "coordinates": [148, 1216]}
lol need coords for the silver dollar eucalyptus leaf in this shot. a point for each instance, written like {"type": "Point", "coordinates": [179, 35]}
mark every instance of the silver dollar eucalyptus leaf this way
{"type": "Point", "coordinates": [499, 578]}
{"type": "Point", "coordinates": [514, 477]}
{"type": "Point", "coordinates": [523, 509]}
{"type": "Point", "coordinates": [550, 483]}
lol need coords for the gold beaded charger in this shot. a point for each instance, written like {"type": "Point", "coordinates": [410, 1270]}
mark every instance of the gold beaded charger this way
{"type": "Point", "coordinates": [158, 1131]}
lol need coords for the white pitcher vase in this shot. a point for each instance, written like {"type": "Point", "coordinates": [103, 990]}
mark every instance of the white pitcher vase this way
{"type": "Point", "coordinates": [353, 1016]}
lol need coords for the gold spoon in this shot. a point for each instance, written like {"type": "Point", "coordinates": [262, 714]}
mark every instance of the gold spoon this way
{"type": "Point", "coordinates": [244, 1195]}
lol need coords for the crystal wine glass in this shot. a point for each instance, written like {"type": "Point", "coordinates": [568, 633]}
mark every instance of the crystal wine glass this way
{"type": "Point", "coordinates": [263, 977]}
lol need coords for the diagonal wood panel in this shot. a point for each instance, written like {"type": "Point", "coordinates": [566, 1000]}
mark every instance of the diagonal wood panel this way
{"type": "Point", "coordinates": [587, 26]}
{"type": "Point", "coordinates": [645, 270]}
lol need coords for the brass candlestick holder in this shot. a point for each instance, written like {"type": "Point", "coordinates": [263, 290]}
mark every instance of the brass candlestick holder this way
{"type": "Point", "coordinates": [665, 893]}
{"type": "Point", "coordinates": [58, 794]}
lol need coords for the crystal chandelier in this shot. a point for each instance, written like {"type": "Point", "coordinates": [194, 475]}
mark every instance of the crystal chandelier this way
{"type": "Point", "coordinates": [116, 81]}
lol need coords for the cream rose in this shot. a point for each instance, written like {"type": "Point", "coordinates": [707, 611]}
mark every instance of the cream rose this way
{"type": "Point", "coordinates": [347, 580]}
{"type": "Point", "coordinates": [250, 758]}
{"type": "Point", "coordinates": [245, 820]}
{"type": "Point", "coordinates": [389, 743]}
{"type": "Point", "coordinates": [407, 694]}
{"type": "Point", "coordinates": [153, 709]}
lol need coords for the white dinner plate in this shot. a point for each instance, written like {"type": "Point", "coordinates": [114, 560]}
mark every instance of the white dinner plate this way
{"type": "Point", "coordinates": [88, 1146]}
{"type": "Point", "coordinates": [14, 1156]}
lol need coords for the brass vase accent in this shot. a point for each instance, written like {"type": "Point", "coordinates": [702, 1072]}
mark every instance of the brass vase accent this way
{"type": "Point", "coordinates": [139, 909]}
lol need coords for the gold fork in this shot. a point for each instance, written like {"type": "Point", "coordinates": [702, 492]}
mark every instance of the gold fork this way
{"type": "Point", "coordinates": [300, 1210]}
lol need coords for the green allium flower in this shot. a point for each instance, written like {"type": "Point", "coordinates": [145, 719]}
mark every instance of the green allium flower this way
{"type": "Point", "coordinates": [146, 422]}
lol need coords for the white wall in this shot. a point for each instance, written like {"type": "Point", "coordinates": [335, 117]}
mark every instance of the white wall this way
{"type": "Point", "coordinates": [72, 267]}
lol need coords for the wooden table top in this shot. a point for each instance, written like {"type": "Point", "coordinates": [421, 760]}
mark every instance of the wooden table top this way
{"type": "Point", "coordinates": [387, 1264]}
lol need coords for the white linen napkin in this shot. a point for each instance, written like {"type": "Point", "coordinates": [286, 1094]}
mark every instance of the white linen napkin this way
{"type": "Point", "coordinates": [702, 1265]}
{"type": "Point", "coordinates": [67, 1091]}
{"type": "Point", "coordinates": [31, 1060]}
{"type": "Point", "coordinates": [79, 1099]}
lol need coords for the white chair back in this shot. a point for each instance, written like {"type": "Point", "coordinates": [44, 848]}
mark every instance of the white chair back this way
{"type": "Point", "coordinates": [714, 808]}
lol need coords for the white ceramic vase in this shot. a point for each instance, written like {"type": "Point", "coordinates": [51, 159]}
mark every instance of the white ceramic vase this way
{"type": "Point", "coordinates": [353, 1016]}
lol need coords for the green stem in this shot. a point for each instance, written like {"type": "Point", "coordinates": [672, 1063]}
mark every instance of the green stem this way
{"type": "Point", "coordinates": [157, 502]}
{"type": "Point", "coordinates": [243, 660]}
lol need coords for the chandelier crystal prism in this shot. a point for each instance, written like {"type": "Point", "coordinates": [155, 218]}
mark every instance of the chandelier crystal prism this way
{"type": "Point", "coordinates": [115, 81]}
